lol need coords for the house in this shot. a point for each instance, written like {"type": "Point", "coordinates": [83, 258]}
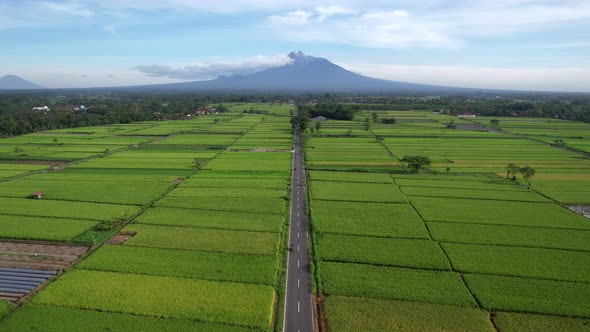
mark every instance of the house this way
{"type": "Point", "coordinates": [466, 115]}
{"type": "Point", "coordinates": [437, 112]}
{"type": "Point", "coordinates": [37, 195]}
{"type": "Point", "coordinates": [41, 109]}
{"type": "Point", "coordinates": [319, 119]}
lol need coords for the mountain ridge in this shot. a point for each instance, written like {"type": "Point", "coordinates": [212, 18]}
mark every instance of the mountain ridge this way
{"type": "Point", "coordinates": [13, 82]}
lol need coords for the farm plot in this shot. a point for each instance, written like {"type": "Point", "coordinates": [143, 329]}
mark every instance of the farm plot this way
{"type": "Point", "coordinates": [369, 219]}
{"type": "Point", "coordinates": [358, 192]}
{"type": "Point", "coordinates": [351, 314]}
{"type": "Point", "coordinates": [497, 212]}
{"type": "Point", "coordinates": [531, 295]}
{"type": "Point", "coordinates": [184, 263]}
{"type": "Point", "coordinates": [381, 251]}
{"type": "Point", "coordinates": [64, 209]}
{"type": "Point", "coordinates": [201, 181]}
{"type": "Point", "coordinates": [251, 161]}
{"type": "Point", "coordinates": [395, 283]}
{"type": "Point", "coordinates": [212, 219]}
{"type": "Point", "coordinates": [57, 319]}
{"type": "Point", "coordinates": [524, 236]}
{"type": "Point", "coordinates": [176, 297]}
{"type": "Point", "coordinates": [552, 264]}
{"type": "Point", "coordinates": [120, 192]}
{"type": "Point", "coordinates": [530, 323]}
{"type": "Point", "coordinates": [43, 228]}
{"type": "Point", "coordinates": [252, 205]}
{"type": "Point", "coordinates": [4, 306]}
{"type": "Point", "coordinates": [350, 177]}
{"type": "Point", "coordinates": [483, 194]}
{"type": "Point", "coordinates": [214, 240]}
{"type": "Point", "coordinates": [227, 192]}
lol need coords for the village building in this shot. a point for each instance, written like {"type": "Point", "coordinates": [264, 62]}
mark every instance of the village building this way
{"type": "Point", "coordinates": [41, 109]}
{"type": "Point", "coordinates": [466, 115]}
{"type": "Point", "coordinates": [319, 119]}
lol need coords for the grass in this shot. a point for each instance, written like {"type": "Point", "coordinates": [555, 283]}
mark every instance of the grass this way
{"type": "Point", "coordinates": [350, 314]}
{"type": "Point", "coordinates": [395, 284]}
{"type": "Point", "coordinates": [42, 228]}
{"type": "Point", "coordinates": [554, 238]}
{"type": "Point", "coordinates": [56, 319]}
{"type": "Point", "coordinates": [165, 297]}
{"type": "Point", "coordinates": [370, 219]}
{"type": "Point", "coordinates": [64, 209]}
{"type": "Point", "coordinates": [4, 307]}
{"type": "Point", "coordinates": [359, 192]}
{"type": "Point", "coordinates": [381, 251]}
{"type": "Point", "coordinates": [531, 295]}
{"type": "Point", "coordinates": [516, 261]}
{"type": "Point", "coordinates": [183, 263]}
{"type": "Point", "coordinates": [215, 240]}
{"type": "Point", "coordinates": [515, 322]}
{"type": "Point", "coordinates": [212, 219]}
{"type": "Point", "coordinates": [498, 212]}
{"type": "Point", "coordinates": [253, 205]}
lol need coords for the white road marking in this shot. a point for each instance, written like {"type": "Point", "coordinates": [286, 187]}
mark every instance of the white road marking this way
{"type": "Point", "coordinates": [298, 306]}
{"type": "Point", "coordinates": [297, 263]}
{"type": "Point", "coordinates": [297, 234]}
{"type": "Point", "coordinates": [297, 247]}
{"type": "Point", "coordinates": [298, 286]}
{"type": "Point", "coordinates": [298, 214]}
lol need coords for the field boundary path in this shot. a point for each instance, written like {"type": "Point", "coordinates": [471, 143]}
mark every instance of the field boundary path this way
{"type": "Point", "coordinates": [298, 299]}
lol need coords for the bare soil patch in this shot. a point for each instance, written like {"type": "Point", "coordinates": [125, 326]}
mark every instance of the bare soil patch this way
{"type": "Point", "coordinates": [38, 256]}
{"type": "Point", "coordinates": [120, 239]}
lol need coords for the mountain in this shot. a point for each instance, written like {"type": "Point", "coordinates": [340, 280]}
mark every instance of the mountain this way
{"type": "Point", "coordinates": [303, 74]}
{"type": "Point", "coordinates": [13, 82]}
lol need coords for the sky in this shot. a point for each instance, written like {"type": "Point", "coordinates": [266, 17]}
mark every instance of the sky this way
{"type": "Point", "coordinates": [499, 44]}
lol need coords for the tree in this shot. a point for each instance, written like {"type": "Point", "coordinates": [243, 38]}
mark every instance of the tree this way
{"type": "Point", "coordinates": [527, 173]}
{"type": "Point", "coordinates": [495, 122]}
{"type": "Point", "coordinates": [389, 121]}
{"type": "Point", "coordinates": [367, 125]}
{"type": "Point", "coordinates": [375, 116]}
{"type": "Point", "coordinates": [559, 142]}
{"type": "Point", "coordinates": [415, 163]}
{"type": "Point", "coordinates": [512, 169]}
{"type": "Point", "coordinates": [451, 125]}
{"type": "Point", "coordinates": [318, 127]}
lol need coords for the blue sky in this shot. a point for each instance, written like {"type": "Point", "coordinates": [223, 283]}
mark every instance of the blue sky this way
{"type": "Point", "coordinates": [510, 44]}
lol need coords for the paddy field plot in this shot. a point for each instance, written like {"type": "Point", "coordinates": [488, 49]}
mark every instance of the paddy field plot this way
{"type": "Point", "coordinates": [370, 219]}
{"type": "Point", "coordinates": [43, 228]}
{"type": "Point", "coordinates": [351, 314]}
{"type": "Point", "coordinates": [357, 192]}
{"type": "Point", "coordinates": [520, 236]}
{"type": "Point", "coordinates": [175, 297]}
{"type": "Point", "coordinates": [238, 204]}
{"type": "Point", "coordinates": [214, 240]}
{"type": "Point", "coordinates": [212, 219]}
{"type": "Point", "coordinates": [183, 263]}
{"type": "Point", "coordinates": [58, 319]}
{"type": "Point", "coordinates": [513, 322]}
{"type": "Point", "coordinates": [394, 283]}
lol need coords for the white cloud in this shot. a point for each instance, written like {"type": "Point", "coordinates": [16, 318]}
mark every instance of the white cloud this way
{"type": "Point", "coordinates": [213, 69]}
{"type": "Point", "coordinates": [67, 8]}
{"type": "Point", "coordinates": [292, 18]}
{"type": "Point", "coordinates": [539, 79]}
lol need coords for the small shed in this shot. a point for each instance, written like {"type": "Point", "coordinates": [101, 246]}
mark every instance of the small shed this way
{"type": "Point", "coordinates": [319, 119]}
{"type": "Point", "coordinates": [466, 115]}
{"type": "Point", "coordinates": [37, 195]}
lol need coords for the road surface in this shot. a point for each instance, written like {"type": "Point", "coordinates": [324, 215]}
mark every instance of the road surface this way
{"type": "Point", "coordinates": [298, 303]}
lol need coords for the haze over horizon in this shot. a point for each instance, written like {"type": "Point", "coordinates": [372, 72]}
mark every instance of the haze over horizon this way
{"type": "Point", "coordinates": [510, 44]}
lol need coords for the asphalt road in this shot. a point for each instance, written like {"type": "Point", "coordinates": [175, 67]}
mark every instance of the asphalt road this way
{"type": "Point", "coordinates": [298, 303]}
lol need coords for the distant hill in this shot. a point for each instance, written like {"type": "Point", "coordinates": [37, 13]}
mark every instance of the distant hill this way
{"type": "Point", "coordinates": [13, 82]}
{"type": "Point", "coordinates": [304, 74]}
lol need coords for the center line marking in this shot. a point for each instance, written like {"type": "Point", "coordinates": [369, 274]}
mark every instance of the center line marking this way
{"type": "Point", "coordinates": [298, 306]}
{"type": "Point", "coordinates": [297, 247]}
{"type": "Point", "coordinates": [298, 286]}
{"type": "Point", "coordinates": [297, 234]}
{"type": "Point", "coordinates": [297, 263]}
